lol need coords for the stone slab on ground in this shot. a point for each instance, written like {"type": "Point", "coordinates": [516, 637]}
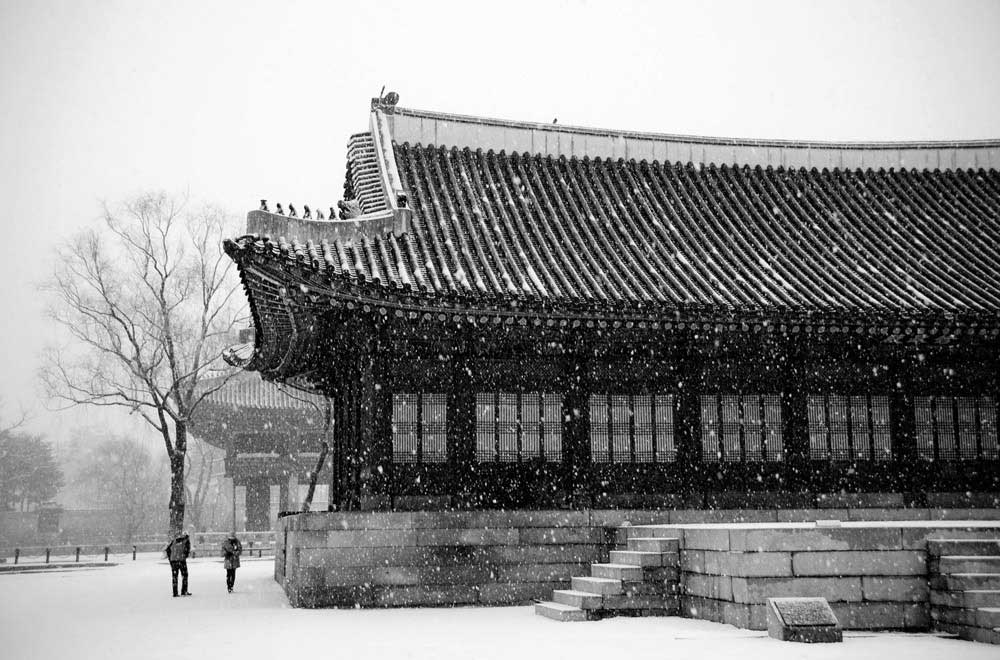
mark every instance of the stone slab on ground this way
{"type": "Point", "coordinates": [808, 620]}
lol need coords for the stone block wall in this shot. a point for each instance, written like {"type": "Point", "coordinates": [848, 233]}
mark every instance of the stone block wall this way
{"type": "Point", "coordinates": [873, 574]}
{"type": "Point", "coordinates": [438, 558]}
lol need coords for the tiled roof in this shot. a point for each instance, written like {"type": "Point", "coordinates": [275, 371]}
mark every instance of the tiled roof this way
{"type": "Point", "coordinates": [508, 229]}
{"type": "Point", "coordinates": [242, 403]}
{"type": "Point", "coordinates": [363, 173]}
{"type": "Point", "coordinates": [244, 390]}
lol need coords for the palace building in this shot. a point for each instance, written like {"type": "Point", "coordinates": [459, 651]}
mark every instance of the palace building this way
{"type": "Point", "coordinates": [537, 316]}
{"type": "Point", "coordinates": [272, 437]}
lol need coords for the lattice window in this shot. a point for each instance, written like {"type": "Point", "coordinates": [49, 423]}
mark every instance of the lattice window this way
{"type": "Point", "coordinates": [531, 416]}
{"type": "Point", "coordinates": [419, 428]}
{"type": "Point", "coordinates": [632, 428]}
{"type": "Point", "coordinates": [956, 428]}
{"type": "Point", "coordinates": [844, 428]}
{"type": "Point", "coordinates": [881, 435]}
{"type": "Point", "coordinates": [860, 437]}
{"type": "Point", "coordinates": [621, 421]}
{"type": "Point", "coordinates": [663, 418]}
{"type": "Point", "coordinates": [434, 428]}
{"type": "Point", "coordinates": [600, 446]}
{"type": "Point", "coordinates": [710, 450]}
{"type": "Point", "coordinates": [486, 427]}
{"type": "Point", "coordinates": [642, 421]}
{"type": "Point", "coordinates": [989, 448]}
{"type": "Point", "coordinates": [736, 428]}
{"type": "Point", "coordinates": [507, 427]}
{"type": "Point", "coordinates": [552, 418]}
{"type": "Point", "coordinates": [513, 427]}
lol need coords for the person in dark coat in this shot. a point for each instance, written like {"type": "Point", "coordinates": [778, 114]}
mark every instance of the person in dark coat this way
{"type": "Point", "coordinates": [178, 551]}
{"type": "Point", "coordinates": [231, 550]}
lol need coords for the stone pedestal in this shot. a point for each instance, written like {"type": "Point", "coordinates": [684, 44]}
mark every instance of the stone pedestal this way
{"type": "Point", "coordinates": [808, 620]}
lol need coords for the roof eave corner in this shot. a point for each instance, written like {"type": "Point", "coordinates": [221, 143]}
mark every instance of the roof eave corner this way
{"type": "Point", "coordinates": [392, 185]}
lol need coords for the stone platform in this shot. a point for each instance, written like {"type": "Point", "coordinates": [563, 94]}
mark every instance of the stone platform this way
{"type": "Point", "coordinates": [437, 558]}
{"type": "Point", "coordinates": [728, 567]}
{"type": "Point", "coordinates": [875, 574]}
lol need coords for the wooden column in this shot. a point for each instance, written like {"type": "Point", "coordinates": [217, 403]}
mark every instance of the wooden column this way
{"type": "Point", "coordinates": [381, 454]}
{"type": "Point", "coordinates": [338, 440]}
{"type": "Point", "coordinates": [258, 505]}
{"type": "Point", "coordinates": [576, 425]}
{"type": "Point", "coordinates": [461, 433]}
{"type": "Point", "coordinates": [367, 452]}
{"type": "Point", "coordinates": [687, 419]}
{"type": "Point", "coordinates": [902, 431]}
{"type": "Point", "coordinates": [351, 443]}
{"type": "Point", "coordinates": [795, 420]}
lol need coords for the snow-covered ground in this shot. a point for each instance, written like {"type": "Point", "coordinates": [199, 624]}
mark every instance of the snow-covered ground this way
{"type": "Point", "coordinates": [127, 612]}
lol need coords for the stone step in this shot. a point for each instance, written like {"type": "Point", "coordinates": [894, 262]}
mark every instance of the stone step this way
{"type": "Point", "coordinates": [971, 598]}
{"type": "Point", "coordinates": [625, 572]}
{"type": "Point", "coordinates": [976, 598]}
{"type": "Point", "coordinates": [642, 602]}
{"type": "Point", "coordinates": [581, 599]}
{"type": "Point", "coordinates": [637, 558]}
{"type": "Point", "coordinates": [653, 544]}
{"type": "Point", "coordinates": [560, 612]}
{"type": "Point", "coordinates": [646, 588]}
{"type": "Point", "coordinates": [965, 547]}
{"type": "Point", "coordinates": [966, 581]}
{"type": "Point", "coordinates": [988, 617]}
{"type": "Point", "coordinates": [597, 585]}
{"type": "Point", "coordinates": [969, 564]}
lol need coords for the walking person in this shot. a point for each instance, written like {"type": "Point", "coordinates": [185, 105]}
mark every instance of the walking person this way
{"type": "Point", "coordinates": [178, 551]}
{"type": "Point", "coordinates": [231, 550]}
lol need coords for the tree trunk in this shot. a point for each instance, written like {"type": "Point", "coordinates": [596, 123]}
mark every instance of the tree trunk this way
{"type": "Point", "coordinates": [307, 504]}
{"type": "Point", "coordinates": [177, 479]}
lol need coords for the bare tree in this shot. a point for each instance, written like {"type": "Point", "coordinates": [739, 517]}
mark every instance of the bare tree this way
{"type": "Point", "coordinates": [148, 301]}
{"type": "Point", "coordinates": [13, 424]}
{"type": "Point", "coordinates": [326, 411]}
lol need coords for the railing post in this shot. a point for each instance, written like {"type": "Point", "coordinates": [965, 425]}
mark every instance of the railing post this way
{"type": "Point", "coordinates": [105, 553]}
{"type": "Point", "coordinates": [78, 554]}
{"type": "Point", "coordinates": [47, 551]}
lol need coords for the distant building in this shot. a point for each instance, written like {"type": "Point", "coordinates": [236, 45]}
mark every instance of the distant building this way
{"type": "Point", "coordinates": [536, 315]}
{"type": "Point", "coordinates": [271, 436]}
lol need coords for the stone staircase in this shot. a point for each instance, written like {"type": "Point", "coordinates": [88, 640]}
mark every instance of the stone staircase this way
{"type": "Point", "coordinates": [965, 587]}
{"type": "Point", "coordinates": [641, 580]}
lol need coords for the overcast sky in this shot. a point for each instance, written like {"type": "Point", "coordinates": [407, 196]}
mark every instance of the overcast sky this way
{"type": "Point", "coordinates": [235, 101]}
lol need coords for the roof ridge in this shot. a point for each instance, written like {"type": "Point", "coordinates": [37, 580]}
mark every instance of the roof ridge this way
{"type": "Point", "coordinates": [442, 129]}
{"type": "Point", "coordinates": [698, 139]}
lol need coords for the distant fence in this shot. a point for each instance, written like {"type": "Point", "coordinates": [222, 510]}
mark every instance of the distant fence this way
{"type": "Point", "coordinates": [255, 544]}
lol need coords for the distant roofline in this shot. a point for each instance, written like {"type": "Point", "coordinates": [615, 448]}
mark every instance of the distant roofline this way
{"type": "Point", "coordinates": [695, 139]}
